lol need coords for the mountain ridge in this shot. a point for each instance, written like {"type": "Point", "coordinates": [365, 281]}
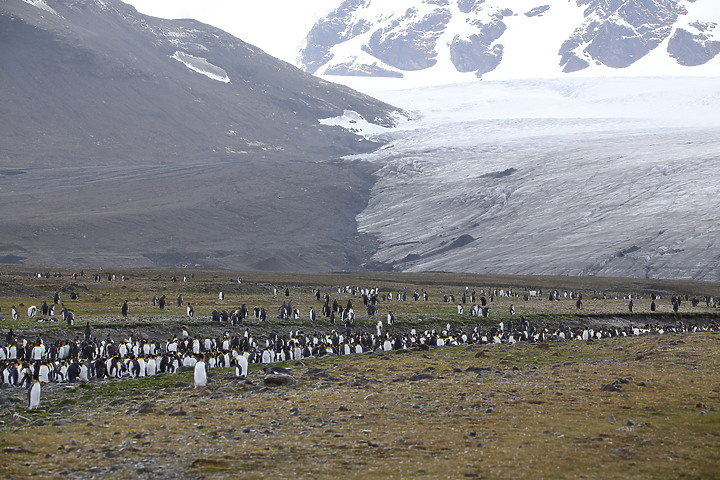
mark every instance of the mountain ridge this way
{"type": "Point", "coordinates": [512, 39]}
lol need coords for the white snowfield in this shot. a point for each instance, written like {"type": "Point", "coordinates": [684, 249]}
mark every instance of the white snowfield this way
{"type": "Point", "coordinates": [605, 176]}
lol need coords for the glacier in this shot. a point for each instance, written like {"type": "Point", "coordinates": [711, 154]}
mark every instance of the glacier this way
{"type": "Point", "coordinates": [583, 176]}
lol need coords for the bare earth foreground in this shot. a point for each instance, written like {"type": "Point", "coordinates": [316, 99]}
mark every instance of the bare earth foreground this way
{"type": "Point", "coordinates": [634, 407]}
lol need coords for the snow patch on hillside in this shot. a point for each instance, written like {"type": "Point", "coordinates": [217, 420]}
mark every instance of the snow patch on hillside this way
{"type": "Point", "coordinates": [356, 123]}
{"type": "Point", "coordinates": [202, 66]}
{"type": "Point", "coordinates": [42, 6]}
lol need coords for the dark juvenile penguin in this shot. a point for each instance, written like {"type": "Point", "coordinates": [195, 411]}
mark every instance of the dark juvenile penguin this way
{"type": "Point", "coordinates": [73, 372]}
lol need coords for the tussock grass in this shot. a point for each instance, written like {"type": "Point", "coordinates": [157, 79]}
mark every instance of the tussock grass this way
{"type": "Point", "coordinates": [495, 411]}
{"type": "Point", "coordinates": [482, 411]}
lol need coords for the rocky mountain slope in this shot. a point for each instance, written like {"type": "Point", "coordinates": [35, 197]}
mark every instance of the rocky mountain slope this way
{"type": "Point", "coordinates": [135, 140]}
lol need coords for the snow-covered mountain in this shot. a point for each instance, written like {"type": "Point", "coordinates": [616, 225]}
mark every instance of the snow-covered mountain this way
{"type": "Point", "coordinates": [501, 39]}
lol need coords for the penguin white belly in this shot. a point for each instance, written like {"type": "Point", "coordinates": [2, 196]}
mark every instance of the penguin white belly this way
{"type": "Point", "coordinates": [34, 396]}
{"type": "Point", "coordinates": [200, 375]}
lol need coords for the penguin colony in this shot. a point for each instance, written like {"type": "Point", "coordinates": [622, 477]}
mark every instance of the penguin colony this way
{"type": "Point", "coordinates": [32, 363]}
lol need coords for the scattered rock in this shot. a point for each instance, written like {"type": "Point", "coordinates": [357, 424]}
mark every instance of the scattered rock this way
{"type": "Point", "coordinates": [146, 407]}
{"type": "Point", "coordinates": [19, 449]}
{"type": "Point", "coordinates": [610, 387]}
{"type": "Point", "coordinates": [177, 412]}
{"type": "Point", "coordinates": [17, 416]}
{"type": "Point", "coordinates": [279, 380]}
{"type": "Point", "coordinates": [479, 369]}
{"type": "Point", "coordinates": [360, 382]}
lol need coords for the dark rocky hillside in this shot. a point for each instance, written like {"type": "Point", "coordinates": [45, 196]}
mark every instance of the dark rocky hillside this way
{"type": "Point", "coordinates": [132, 140]}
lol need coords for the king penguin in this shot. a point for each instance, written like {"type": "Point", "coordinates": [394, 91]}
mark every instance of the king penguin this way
{"type": "Point", "coordinates": [34, 395]}
{"type": "Point", "coordinates": [241, 365]}
{"type": "Point", "coordinates": [200, 375]}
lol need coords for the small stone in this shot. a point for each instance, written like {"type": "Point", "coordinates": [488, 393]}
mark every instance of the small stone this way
{"type": "Point", "coordinates": [177, 412]}
{"type": "Point", "coordinates": [279, 380]}
{"type": "Point", "coordinates": [146, 407]}
{"type": "Point", "coordinates": [17, 416]}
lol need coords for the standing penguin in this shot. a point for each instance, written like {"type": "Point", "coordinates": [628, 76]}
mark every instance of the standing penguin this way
{"type": "Point", "coordinates": [15, 315]}
{"type": "Point", "coordinates": [200, 374]}
{"type": "Point", "coordinates": [34, 395]}
{"type": "Point", "coordinates": [241, 365]}
{"type": "Point", "coordinates": [124, 309]}
{"type": "Point", "coordinates": [190, 310]}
